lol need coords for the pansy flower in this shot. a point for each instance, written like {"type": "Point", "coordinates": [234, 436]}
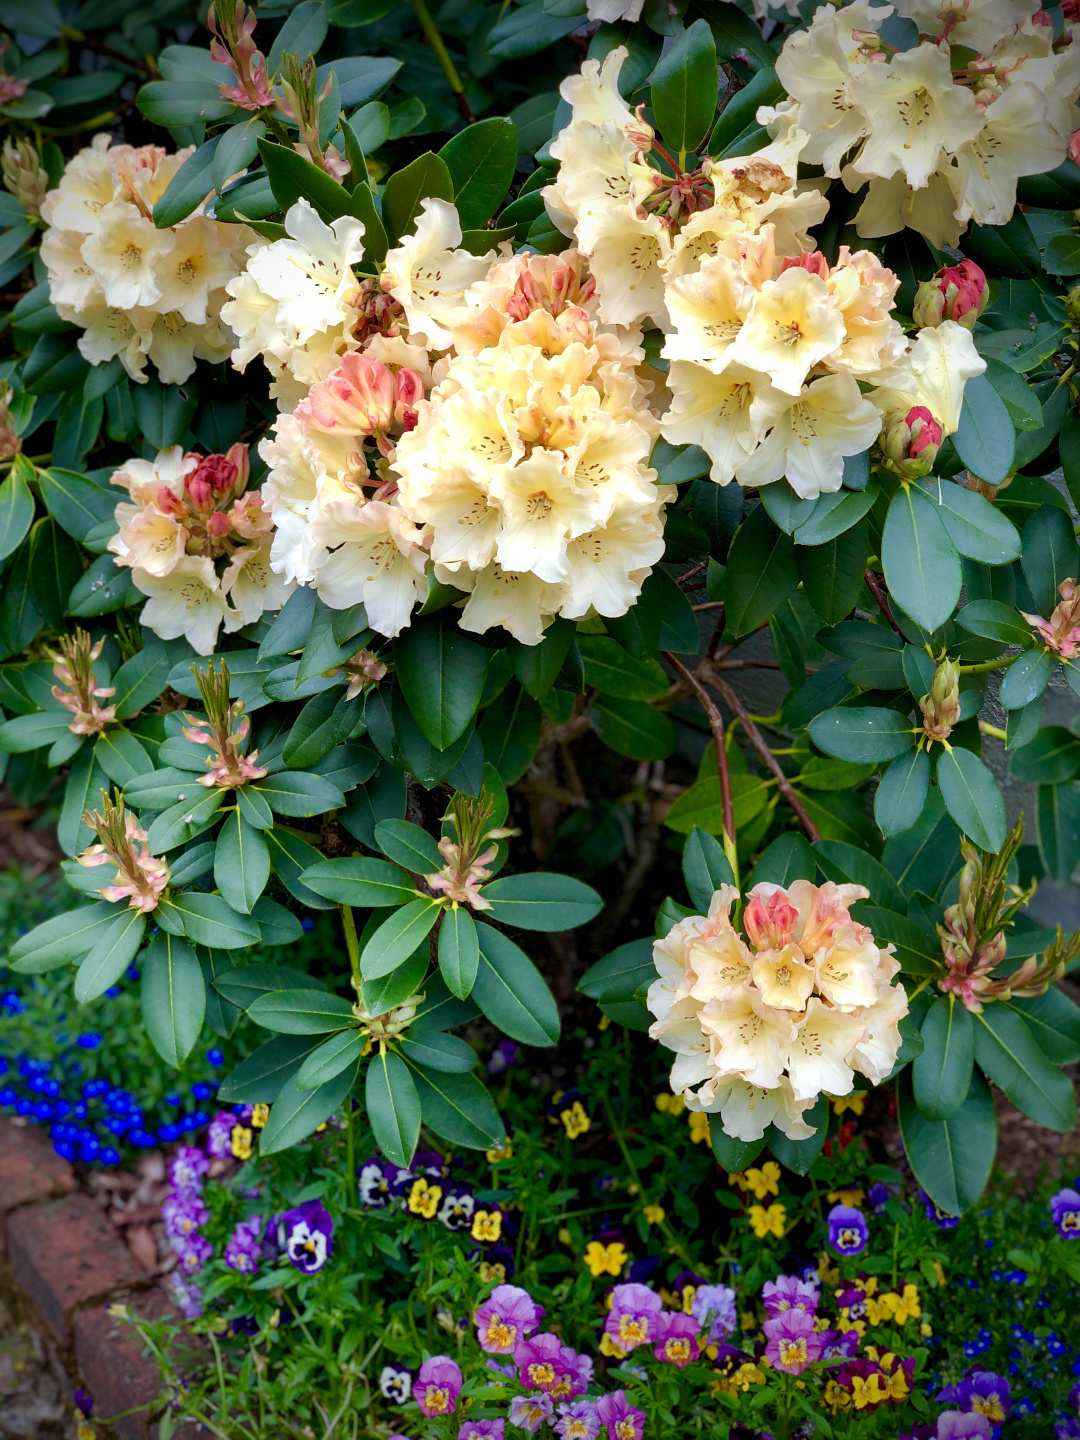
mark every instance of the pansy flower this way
{"type": "Point", "coordinates": [243, 1249]}
{"type": "Point", "coordinates": [623, 1420]}
{"type": "Point", "coordinates": [677, 1340]}
{"type": "Point", "coordinates": [529, 1412]}
{"type": "Point", "coordinates": [634, 1316]}
{"type": "Point", "coordinates": [578, 1421]}
{"type": "Point", "coordinates": [423, 1198]}
{"type": "Point", "coordinates": [607, 1254]}
{"type": "Point", "coordinates": [848, 1230]}
{"type": "Point", "coordinates": [793, 1342]}
{"type": "Point", "coordinates": [188, 1168]}
{"type": "Point", "coordinates": [545, 1363]}
{"type": "Point", "coordinates": [457, 1208]}
{"type": "Point", "coordinates": [438, 1386]}
{"type": "Point", "coordinates": [788, 1292]}
{"type": "Point", "coordinates": [482, 1430]}
{"type": "Point", "coordinates": [494, 1265]}
{"type": "Point", "coordinates": [304, 1236]}
{"type": "Point", "coordinates": [219, 1135]}
{"type": "Point", "coordinates": [954, 1425]}
{"type": "Point", "coordinates": [1065, 1211]}
{"type": "Point", "coordinates": [984, 1393]}
{"type": "Point", "coordinates": [373, 1185]}
{"type": "Point", "coordinates": [508, 1315]}
{"type": "Point", "coordinates": [941, 1218]}
{"type": "Point", "coordinates": [395, 1384]}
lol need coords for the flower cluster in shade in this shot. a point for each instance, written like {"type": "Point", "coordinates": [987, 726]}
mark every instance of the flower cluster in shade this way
{"type": "Point", "coordinates": [424, 1189]}
{"type": "Point", "coordinates": [465, 418]}
{"type": "Point", "coordinates": [934, 146]}
{"type": "Point", "coordinates": [197, 542]}
{"type": "Point", "coordinates": [137, 292]}
{"type": "Point", "coordinates": [762, 1024]}
{"type": "Point", "coordinates": [770, 348]}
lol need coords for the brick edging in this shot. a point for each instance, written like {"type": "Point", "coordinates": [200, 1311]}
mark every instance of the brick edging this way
{"type": "Point", "coordinates": [69, 1262]}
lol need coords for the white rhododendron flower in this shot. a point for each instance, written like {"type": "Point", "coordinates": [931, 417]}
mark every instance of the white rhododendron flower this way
{"type": "Point", "coordinates": [938, 141]}
{"type": "Point", "coordinates": [428, 275]}
{"type": "Point", "coordinates": [763, 1022]}
{"type": "Point", "coordinates": [138, 292]}
{"type": "Point", "coordinates": [197, 542]}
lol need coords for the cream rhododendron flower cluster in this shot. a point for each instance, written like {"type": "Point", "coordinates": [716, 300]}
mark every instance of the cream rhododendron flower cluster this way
{"type": "Point", "coordinates": [197, 542]}
{"type": "Point", "coordinates": [520, 479]}
{"type": "Point", "coordinates": [937, 146]}
{"type": "Point", "coordinates": [137, 292]}
{"type": "Point", "coordinates": [763, 1023]}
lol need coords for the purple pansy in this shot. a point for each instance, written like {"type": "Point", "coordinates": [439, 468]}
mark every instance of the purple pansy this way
{"type": "Point", "coordinates": [529, 1412]}
{"type": "Point", "coordinates": [438, 1386]}
{"type": "Point", "coordinates": [677, 1340]}
{"type": "Point", "coordinates": [848, 1230]}
{"type": "Point", "coordinates": [188, 1167]}
{"type": "Point", "coordinates": [793, 1343]}
{"type": "Point", "coordinates": [304, 1235]}
{"type": "Point", "coordinates": [788, 1292]}
{"type": "Point", "coordinates": [196, 1252]}
{"type": "Point", "coordinates": [984, 1393]}
{"type": "Point", "coordinates": [578, 1421]}
{"type": "Point", "coordinates": [219, 1135]}
{"type": "Point", "coordinates": [244, 1248]}
{"type": "Point", "coordinates": [941, 1218]}
{"type": "Point", "coordinates": [1065, 1210]}
{"type": "Point", "coordinates": [482, 1430]}
{"type": "Point", "coordinates": [373, 1184]}
{"type": "Point", "coordinates": [508, 1315]}
{"type": "Point", "coordinates": [954, 1425]}
{"type": "Point", "coordinates": [183, 1213]}
{"type": "Point", "coordinates": [714, 1306]}
{"type": "Point", "coordinates": [634, 1317]}
{"type": "Point", "coordinates": [623, 1420]}
{"type": "Point", "coordinates": [188, 1297]}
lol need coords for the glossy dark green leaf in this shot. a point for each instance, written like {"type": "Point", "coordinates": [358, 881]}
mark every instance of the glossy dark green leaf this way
{"type": "Point", "coordinates": [113, 951]}
{"type": "Point", "coordinates": [941, 1075]}
{"type": "Point", "coordinates": [972, 797]}
{"type": "Point", "coordinates": [761, 573]}
{"type": "Point", "coordinates": [258, 1080]}
{"type": "Point", "coordinates": [16, 512]}
{"type": "Point", "coordinates": [994, 620]}
{"type": "Point", "coordinates": [1009, 1055]}
{"type": "Point", "coordinates": [922, 567]}
{"type": "Point", "coordinates": [295, 1113]}
{"type": "Point", "coordinates": [393, 1106]}
{"type": "Point", "coordinates": [1026, 679]}
{"type": "Point", "coordinates": [241, 863]}
{"type": "Point", "coordinates": [832, 573]}
{"type": "Point", "coordinates": [901, 792]}
{"type": "Point", "coordinates": [481, 160]}
{"type": "Point", "coordinates": [164, 412]}
{"type": "Point", "coordinates": [301, 1012]}
{"type": "Point", "coordinates": [459, 951]}
{"type": "Point", "coordinates": [951, 1159]}
{"type": "Point", "coordinates": [209, 920]}
{"type": "Point", "coordinates": [409, 845]}
{"type": "Point", "coordinates": [397, 937]}
{"type": "Point", "coordinates": [511, 991]}
{"type": "Point", "coordinates": [734, 1155]}
{"type": "Point", "coordinates": [1051, 758]}
{"type": "Point", "coordinates": [684, 89]}
{"type": "Point", "coordinates": [862, 733]}
{"type": "Point", "coordinates": [1050, 555]}
{"type": "Point", "coordinates": [406, 189]}
{"type": "Point", "coordinates": [190, 186]}
{"type": "Point", "coordinates": [441, 672]}
{"type": "Point", "coordinates": [357, 880]}
{"type": "Point", "coordinates": [331, 1057]}
{"type": "Point", "coordinates": [173, 998]}
{"type": "Point", "coordinates": [1054, 1021]}
{"type": "Point", "coordinates": [633, 728]}
{"type": "Point", "coordinates": [705, 868]}
{"type": "Point", "coordinates": [799, 1155]}
{"type": "Point", "coordinates": [985, 437]}
{"type": "Point", "coordinates": [620, 974]}
{"type": "Point", "coordinates": [975, 527]}
{"type": "Point", "coordinates": [741, 109]}
{"type": "Point", "coordinates": [436, 1051]}
{"type": "Point", "coordinates": [614, 671]}
{"type": "Point", "coordinates": [539, 901]}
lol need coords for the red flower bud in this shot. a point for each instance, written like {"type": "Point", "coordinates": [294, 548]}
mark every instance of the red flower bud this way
{"type": "Point", "coordinates": [812, 260]}
{"type": "Point", "coordinates": [957, 292]}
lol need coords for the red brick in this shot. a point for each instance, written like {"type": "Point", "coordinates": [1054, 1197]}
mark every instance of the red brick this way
{"type": "Point", "coordinates": [110, 1358]}
{"type": "Point", "coordinates": [65, 1254]}
{"type": "Point", "coordinates": [30, 1169]}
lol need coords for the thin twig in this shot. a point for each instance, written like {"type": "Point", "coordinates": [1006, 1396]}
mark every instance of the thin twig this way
{"type": "Point", "coordinates": [874, 586]}
{"type": "Point", "coordinates": [716, 725]}
{"type": "Point", "coordinates": [768, 759]}
{"type": "Point", "coordinates": [691, 573]}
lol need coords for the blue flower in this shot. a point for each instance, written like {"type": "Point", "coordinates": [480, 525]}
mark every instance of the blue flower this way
{"type": "Point", "coordinates": [172, 1098]}
{"type": "Point", "coordinates": [113, 991]}
{"type": "Point", "coordinates": [202, 1091]}
{"type": "Point", "coordinates": [307, 923]}
{"type": "Point", "coordinates": [132, 972]}
{"type": "Point", "coordinates": [215, 1056]}
{"type": "Point", "coordinates": [90, 1041]}
{"type": "Point", "coordinates": [109, 1156]}
{"type": "Point", "coordinates": [168, 1133]}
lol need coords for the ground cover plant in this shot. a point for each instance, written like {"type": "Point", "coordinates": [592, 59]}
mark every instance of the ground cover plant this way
{"type": "Point", "coordinates": [576, 503]}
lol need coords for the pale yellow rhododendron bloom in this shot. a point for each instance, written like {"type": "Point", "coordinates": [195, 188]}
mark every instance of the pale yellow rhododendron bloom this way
{"type": "Point", "coordinates": [136, 291]}
{"type": "Point", "coordinates": [932, 373]}
{"type": "Point", "coordinates": [763, 1022]}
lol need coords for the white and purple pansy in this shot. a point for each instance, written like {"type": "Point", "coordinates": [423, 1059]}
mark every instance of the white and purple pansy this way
{"type": "Point", "coordinates": [304, 1236]}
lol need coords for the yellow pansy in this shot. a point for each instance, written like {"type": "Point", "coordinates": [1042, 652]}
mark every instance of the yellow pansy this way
{"type": "Point", "coordinates": [868, 1392]}
{"type": "Point", "coordinates": [575, 1120]}
{"type": "Point", "coordinates": [736, 1177]}
{"type": "Point", "coordinates": [768, 1222]}
{"type": "Point", "coordinates": [669, 1104]}
{"type": "Point", "coordinates": [241, 1142]}
{"type": "Point", "coordinates": [608, 1347]}
{"type": "Point", "coordinates": [764, 1181]}
{"type": "Point", "coordinates": [424, 1198]}
{"type": "Point", "coordinates": [854, 1102]}
{"type": "Point", "coordinates": [939, 1272]}
{"type": "Point", "coordinates": [855, 1196]}
{"type": "Point", "coordinates": [259, 1116]}
{"type": "Point", "coordinates": [487, 1226]}
{"type": "Point", "coordinates": [699, 1128]}
{"type": "Point", "coordinates": [655, 1214]}
{"type": "Point", "coordinates": [492, 1274]}
{"type": "Point", "coordinates": [906, 1306]}
{"type": "Point", "coordinates": [493, 1157]}
{"type": "Point", "coordinates": [605, 1259]}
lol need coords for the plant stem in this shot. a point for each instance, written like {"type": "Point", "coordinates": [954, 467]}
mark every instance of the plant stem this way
{"type": "Point", "coordinates": [438, 47]}
{"type": "Point", "coordinates": [995, 731]}
{"type": "Point", "coordinates": [873, 584]}
{"type": "Point", "coordinates": [352, 945]}
{"type": "Point", "coordinates": [1001, 663]}
{"type": "Point", "coordinates": [716, 725]}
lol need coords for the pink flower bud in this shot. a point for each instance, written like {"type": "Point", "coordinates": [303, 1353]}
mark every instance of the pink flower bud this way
{"type": "Point", "coordinates": [410, 390]}
{"type": "Point", "coordinates": [957, 292]}
{"type": "Point", "coordinates": [218, 471]}
{"type": "Point", "coordinates": [357, 398]}
{"type": "Point", "coordinates": [910, 443]}
{"type": "Point", "coordinates": [812, 260]}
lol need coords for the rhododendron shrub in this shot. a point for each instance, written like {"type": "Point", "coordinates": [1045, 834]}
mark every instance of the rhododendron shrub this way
{"type": "Point", "coordinates": [409, 456]}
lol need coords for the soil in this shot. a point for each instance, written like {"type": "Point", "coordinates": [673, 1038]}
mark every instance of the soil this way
{"type": "Point", "coordinates": [36, 1393]}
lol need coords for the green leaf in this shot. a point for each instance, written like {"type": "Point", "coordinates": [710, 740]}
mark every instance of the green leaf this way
{"type": "Point", "coordinates": [994, 620]}
{"type": "Point", "coordinates": [173, 998]}
{"type": "Point", "coordinates": [918, 953]}
{"type": "Point", "coordinates": [542, 901]}
{"type": "Point", "coordinates": [74, 502]}
{"type": "Point", "coordinates": [113, 952]}
{"type": "Point", "coordinates": [301, 1012]}
{"type": "Point", "coordinates": [733, 1155]}
{"type": "Point", "coordinates": [190, 186]}
{"type": "Point", "coordinates": [183, 821]}
{"type": "Point", "coordinates": [862, 733]}
{"type": "Point", "coordinates": [258, 1080]}
{"type": "Point", "coordinates": [840, 861]}
{"type": "Point", "coordinates": [1009, 1055]}
{"type": "Point", "coordinates": [799, 1155]}
{"type": "Point", "coordinates": [459, 951]}
{"type": "Point", "coordinates": [788, 858]}
{"type": "Point", "coordinates": [397, 937]}
{"type": "Point", "coordinates": [941, 1075]}
{"type": "Point", "coordinates": [367, 884]}
{"type": "Point", "coordinates": [901, 792]}
{"type": "Point", "coordinates": [63, 939]}
{"type": "Point", "coordinates": [393, 1107]}
{"type": "Point", "coordinates": [630, 727]}
{"type": "Point", "coordinates": [16, 512]}
{"type": "Point", "coordinates": [401, 984]}
{"type": "Point", "coordinates": [242, 984]}
{"type": "Point", "coordinates": [951, 1159]}
{"type": "Point", "coordinates": [921, 564]}
{"type": "Point", "coordinates": [298, 792]}
{"type": "Point", "coordinates": [614, 671]}
{"type": "Point", "coordinates": [436, 1051]}
{"type": "Point", "coordinates": [441, 672]}
{"type": "Point", "coordinates": [1050, 555]}
{"type": "Point", "coordinates": [761, 573]}
{"type": "Point", "coordinates": [834, 514]}
{"type": "Point", "coordinates": [121, 756]}
{"type": "Point", "coordinates": [303, 31]}
{"type": "Point", "coordinates": [481, 160]}
{"type": "Point", "coordinates": [524, 29]}
{"type": "Point", "coordinates": [740, 112]}
{"type": "Point", "coordinates": [102, 588]}
{"type": "Point", "coordinates": [164, 412]}
{"type": "Point", "coordinates": [140, 680]}
{"type": "Point", "coordinates": [621, 973]}
{"type": "Point", "coordinates": [459, 1108]}
{"type": "Point", "coordinates": [183, 102]}
{"type": "Point", "coordinates": [235, 150]}
{"type": "Point", "coordinates": [241, 863]}
{"type": "Point", "coordinates": [832, 573]}
{"type": "Point", "coordinates": [1020, 399]}
{"type": "Point", "coordinates": [974, 526]}
{"type": "Point", "coordinates": [209, 920]}
{"type": "Point", "coordinates": [684, 89]}
{"type": "Point", "coordinates": [295, 1113]}
{"type": "Point", "coordinates": [31, 732]}
{"type": "Point", "coordinates": [1054, 1021]}
{"type": "Point", "coordinates": [1026, 679]}
{"type": "Point", "coordinates": [330, 1059]}
{"type": "Point", "coordinates": [409, 845]}
{"type": "Point", "coordinates": [972, 798]}
{"type": "Point", "coordinates": [428, 175]}
{"type": "Point", "coordinates": [705, 868]}
{"type": "Point", "coordinates": [985, 437]}
{"type": "Point", "coordinates": [1050, 759]}
{"type": "Point", "coordinates": [511, 991]}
